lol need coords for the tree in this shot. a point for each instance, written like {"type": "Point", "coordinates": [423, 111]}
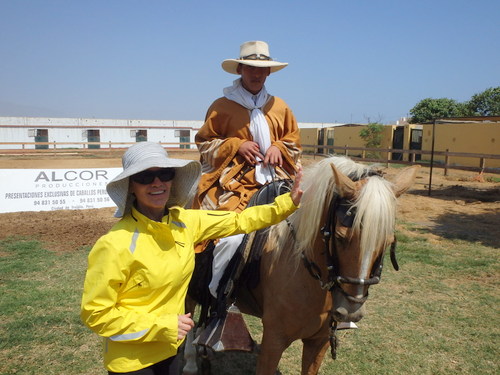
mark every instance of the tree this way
{"type": "Point", "coordinates": [429, 109]}
{"type": "Point", "coordinates": [372, 135]}
{"type": "Point", "coordinates": [486, 103]}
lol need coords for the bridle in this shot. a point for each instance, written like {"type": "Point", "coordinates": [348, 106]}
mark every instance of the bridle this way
{"type": "Point", "coordinates": [341, 210]}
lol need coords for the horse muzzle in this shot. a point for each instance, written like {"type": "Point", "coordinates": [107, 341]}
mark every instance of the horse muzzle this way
{"type": "Point", "coordinates": [347, 308]}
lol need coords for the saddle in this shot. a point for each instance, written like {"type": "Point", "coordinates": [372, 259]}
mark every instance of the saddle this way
{"type": "Point", "coordinates": [225, 327]}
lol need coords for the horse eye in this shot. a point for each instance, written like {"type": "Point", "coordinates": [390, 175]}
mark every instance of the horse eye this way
{"type": "Point", "coordinates": [341, 233]}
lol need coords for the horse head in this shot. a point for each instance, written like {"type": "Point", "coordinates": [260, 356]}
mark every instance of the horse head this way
{"type": "Point", "coordinates": [359, 227]}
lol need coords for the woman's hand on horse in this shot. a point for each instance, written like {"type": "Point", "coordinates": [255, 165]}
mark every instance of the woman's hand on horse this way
{"type": "Point", "coordinates": [296, 192]}
{"type": "Point", "coordinates": [185, 324]}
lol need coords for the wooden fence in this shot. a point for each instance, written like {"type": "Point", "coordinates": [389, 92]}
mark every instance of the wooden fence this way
{"type": "Point", "coordinates": [357, 153]}
{"type": "Point", "coordinates": [65, 146]}
{"type": "Point", "coordinates": [360, 153]}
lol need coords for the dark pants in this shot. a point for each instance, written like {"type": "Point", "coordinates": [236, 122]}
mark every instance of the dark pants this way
{"type": "Point", "coordinates": [169, 366]}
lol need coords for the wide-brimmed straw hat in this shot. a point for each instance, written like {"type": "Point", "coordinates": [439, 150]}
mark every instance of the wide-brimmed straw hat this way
{"type": "Point", "coordinates": [254, 53]}
{"type": "Point", "coordinates": [145, 155]}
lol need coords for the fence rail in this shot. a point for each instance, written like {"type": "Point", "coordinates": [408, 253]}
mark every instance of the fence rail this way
{"type": "Point", "coordinates": [75, 148]}
{"type": "Point", "coordinates": [84, 145]}
{"type": "Point", "coordinates": [358, 153]}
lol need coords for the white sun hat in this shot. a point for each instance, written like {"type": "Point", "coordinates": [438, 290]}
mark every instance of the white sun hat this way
{"type": "Point", "coordinates": [254, 53]}
{"type": "Point", "coordinates": [145, 155]}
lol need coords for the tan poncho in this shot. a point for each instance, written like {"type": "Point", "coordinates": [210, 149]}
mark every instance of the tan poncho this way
{"type": "Point", "coordinates": [227, 181]}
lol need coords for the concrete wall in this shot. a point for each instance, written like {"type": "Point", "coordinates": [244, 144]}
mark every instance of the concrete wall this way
{"type": "Point", "coordinates": [480, 138]}
{"type": "Point", "coordinates": [309, 137]}
{"type": "Point", "coordinates": [348, 136]}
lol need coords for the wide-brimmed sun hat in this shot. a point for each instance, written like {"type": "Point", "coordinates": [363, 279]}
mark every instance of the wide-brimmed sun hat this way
{"type": "Point", "coordinates": [145, 155]}
{"type": "Point", "coordinates": [254, 53]}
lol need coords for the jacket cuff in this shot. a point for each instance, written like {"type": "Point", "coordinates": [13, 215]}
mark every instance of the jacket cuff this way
{"type": "Point", "coordinates": [170, 328]}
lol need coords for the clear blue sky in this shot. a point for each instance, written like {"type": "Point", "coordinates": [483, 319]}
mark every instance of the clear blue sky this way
{"type": "Point", "coordinates": [349, 60]}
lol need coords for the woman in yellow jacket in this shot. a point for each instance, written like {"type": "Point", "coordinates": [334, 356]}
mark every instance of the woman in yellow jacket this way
{"type": "Point", "coordinates": [138, 273]}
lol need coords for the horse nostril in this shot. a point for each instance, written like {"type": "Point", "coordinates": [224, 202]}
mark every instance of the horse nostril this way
{"type": "Point", "coordinates": [340, 314]}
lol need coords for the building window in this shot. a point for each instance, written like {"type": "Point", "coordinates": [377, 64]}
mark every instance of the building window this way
{"type": "Point", "coordinates": [184, 138]}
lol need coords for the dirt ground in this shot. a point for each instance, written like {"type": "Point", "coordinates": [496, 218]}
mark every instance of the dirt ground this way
{"type": "Point", "coordinates": [462, 205]}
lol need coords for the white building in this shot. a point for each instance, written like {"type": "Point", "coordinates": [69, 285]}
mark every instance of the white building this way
{"type": "Point", "coordinates": [41, 132]}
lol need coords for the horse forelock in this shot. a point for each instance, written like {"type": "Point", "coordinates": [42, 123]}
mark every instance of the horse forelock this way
{"type": "Point", "coordinates": [375, 217]}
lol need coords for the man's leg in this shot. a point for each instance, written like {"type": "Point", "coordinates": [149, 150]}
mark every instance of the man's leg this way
{"type": "Point", "coordinates": [223, 252]}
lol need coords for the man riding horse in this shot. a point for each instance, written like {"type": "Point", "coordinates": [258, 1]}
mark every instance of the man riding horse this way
{"type": "Point", "coordinates": [249, 138]}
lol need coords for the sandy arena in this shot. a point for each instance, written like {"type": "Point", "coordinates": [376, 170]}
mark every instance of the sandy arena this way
{"type": "Point", "coordinates": [463, 205]}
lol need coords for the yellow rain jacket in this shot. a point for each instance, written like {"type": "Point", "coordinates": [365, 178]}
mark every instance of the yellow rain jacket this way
{"type": "Point", "coordinates": [138, 276]}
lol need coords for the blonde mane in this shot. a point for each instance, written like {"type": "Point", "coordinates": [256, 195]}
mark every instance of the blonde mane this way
{"type": "Point", "coordinates": [375, 209]}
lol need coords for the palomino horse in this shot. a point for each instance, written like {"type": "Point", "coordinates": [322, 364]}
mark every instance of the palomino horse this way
{"type": "Point", "coordinates": [317, 266]}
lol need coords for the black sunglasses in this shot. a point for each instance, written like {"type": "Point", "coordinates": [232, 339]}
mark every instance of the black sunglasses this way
{"type": "Point", "coordinates": [146, 177]}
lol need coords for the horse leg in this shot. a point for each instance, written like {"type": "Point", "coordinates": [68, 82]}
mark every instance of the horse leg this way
{"type": "Point", "coordinates": [313, 352]}
{"type": "Point", "coordinates": [271, 349]}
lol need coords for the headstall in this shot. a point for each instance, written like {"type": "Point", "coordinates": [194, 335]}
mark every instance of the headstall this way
{"type": "Point", "coordinates": [341, 209]}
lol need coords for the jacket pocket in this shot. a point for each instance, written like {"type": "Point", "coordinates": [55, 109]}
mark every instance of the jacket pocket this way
{"type": "Point", "coordinates": [136, 283]}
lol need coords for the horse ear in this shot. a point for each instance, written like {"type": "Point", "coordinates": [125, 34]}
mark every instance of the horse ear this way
{"type": "Point", "coordinates": [345, 186]}
{"type": "Point", "coordinates": [404, 180]}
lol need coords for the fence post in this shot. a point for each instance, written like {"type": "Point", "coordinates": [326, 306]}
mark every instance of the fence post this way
{"type": "Point", "coordinates": [346, 152]}
{"type": "Point", "coordinates": [446, 161]}
{"type": "Point", "coordinates": [482, 163]}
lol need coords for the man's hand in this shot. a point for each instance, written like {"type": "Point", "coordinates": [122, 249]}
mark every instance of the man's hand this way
{"type": "Point", "coordinates": [185, 324]}
{"type": "Point", "coordinates": [296, 193]}
{"type": "Point", "coordinates": [273, 157]}
{"type": "Point", "coordinates": [251, 152]}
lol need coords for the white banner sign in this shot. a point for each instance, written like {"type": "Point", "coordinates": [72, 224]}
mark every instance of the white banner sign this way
{"type": "Point", "coordinates": [55, 189]}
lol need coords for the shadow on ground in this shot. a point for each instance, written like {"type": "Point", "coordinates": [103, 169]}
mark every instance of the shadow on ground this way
{"type": "Point", "coordinates": [455, 192]}
{"type": "Point", "coordinates": [472, 228]}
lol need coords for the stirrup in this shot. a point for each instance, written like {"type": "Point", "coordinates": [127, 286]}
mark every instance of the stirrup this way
{"type": "Point", "coordinates": [227, 333]}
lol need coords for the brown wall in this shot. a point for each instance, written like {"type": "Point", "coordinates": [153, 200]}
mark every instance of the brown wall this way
{"type": "Point", "coordinates": [480, 138]}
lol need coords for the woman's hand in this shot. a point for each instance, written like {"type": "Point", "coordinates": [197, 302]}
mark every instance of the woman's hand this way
{"type": "Point", "coordinates": [185, 324]}
{"type": "Point", "coordinates": [296, 192]}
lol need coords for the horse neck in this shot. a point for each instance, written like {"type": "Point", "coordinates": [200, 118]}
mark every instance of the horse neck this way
{"type": "Point", "coordinates": [300, 234]}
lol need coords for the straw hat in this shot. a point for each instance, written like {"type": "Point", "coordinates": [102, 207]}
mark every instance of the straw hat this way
{"type": "Point", "coordinates": [254, 53]}
{"type": "Point", "coordinates": [145, 155]}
